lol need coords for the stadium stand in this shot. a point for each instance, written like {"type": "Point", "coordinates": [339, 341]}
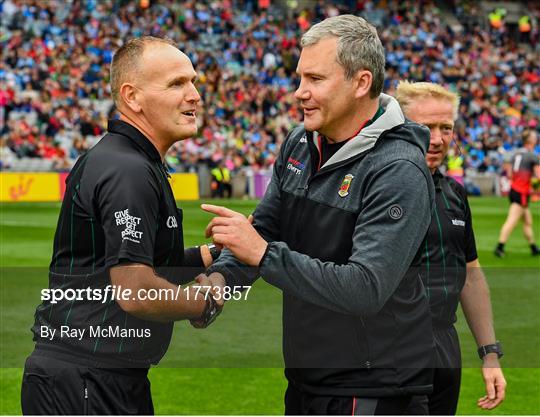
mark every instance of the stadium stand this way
{"type": "Point", "coordinates": [55, 101]}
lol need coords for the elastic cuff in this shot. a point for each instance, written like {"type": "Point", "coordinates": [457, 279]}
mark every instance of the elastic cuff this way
{"type": "Point", "coordinates": [193, 257]}
{"type": "Point", "coordinates": [264, 256]}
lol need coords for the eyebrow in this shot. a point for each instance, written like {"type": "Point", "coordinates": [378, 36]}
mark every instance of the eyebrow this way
{"type": "Point", "coordinates": [311, 74]}
{"type": "Point", "coordinates": [441, 124]}
{"type": "Point", "coordinates": [181, 79]}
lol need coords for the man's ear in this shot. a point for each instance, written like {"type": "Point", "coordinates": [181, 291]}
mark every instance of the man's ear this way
{"type": "Point", "coordinates": [362, 83]}
{"type": "Point", "coordinates": [129, 94]}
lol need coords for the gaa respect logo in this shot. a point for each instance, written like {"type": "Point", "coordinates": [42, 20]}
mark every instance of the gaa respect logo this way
{"type": "Point", "coordinates": [131, 222]}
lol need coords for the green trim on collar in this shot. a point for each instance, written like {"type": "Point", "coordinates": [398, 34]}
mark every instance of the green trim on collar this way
{"type": "Point", "coordinates": [379, 113]}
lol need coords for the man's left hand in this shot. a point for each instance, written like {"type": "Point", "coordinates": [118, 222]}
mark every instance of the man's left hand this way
{"type": "Point", "coordinates": [495, 384]}
{"type": "Point", "coordinates": [234, 231]}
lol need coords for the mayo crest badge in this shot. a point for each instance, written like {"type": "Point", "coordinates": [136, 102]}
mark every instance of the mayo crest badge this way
{"type": "Point", "coordinates": [345, 184]}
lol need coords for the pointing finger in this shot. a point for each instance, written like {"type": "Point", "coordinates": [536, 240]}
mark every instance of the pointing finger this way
{"type": "Point", "coordinates": [220, 211]}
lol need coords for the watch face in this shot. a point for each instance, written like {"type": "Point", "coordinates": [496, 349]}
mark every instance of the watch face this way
{"type": "Point", "coordinates": [214, 312]}
{"type": "Point", "coordinates": [214, 251]}
{"type": "Point", "coordinates": [494, 348]}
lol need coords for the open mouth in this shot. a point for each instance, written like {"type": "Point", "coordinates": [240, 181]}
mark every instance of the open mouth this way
{"type": "Point", "coordinates": [189, 113]}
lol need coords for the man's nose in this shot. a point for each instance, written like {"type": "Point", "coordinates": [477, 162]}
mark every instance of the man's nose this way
{"type": "Point", "coordinates": [193, 94]}
{"type": "Point", "coordinates": [435, 136]}
{"type": "Point", "coordinates": [301, 92]}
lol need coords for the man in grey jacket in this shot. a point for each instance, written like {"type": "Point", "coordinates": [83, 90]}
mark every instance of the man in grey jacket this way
{"type": "Point", "coordinates": [338, 230]}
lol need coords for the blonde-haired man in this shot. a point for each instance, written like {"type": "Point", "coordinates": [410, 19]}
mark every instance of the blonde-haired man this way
{"type": "Point", "coordinates": [451, 272]}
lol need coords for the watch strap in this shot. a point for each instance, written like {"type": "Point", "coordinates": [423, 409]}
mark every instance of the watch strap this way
{"type": "Point", "coordinates": [214, 251]}
{"type": "Point", "coordinates": [211, 311]}
{"type": "Point", "coordinates": [491, 348]}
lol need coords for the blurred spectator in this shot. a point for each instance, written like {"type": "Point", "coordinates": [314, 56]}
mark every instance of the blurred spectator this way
{"type": "Point", "coordinates": [55, 99]}
{"type": "Point", "coordinates": [7, 156]}
{"type": "Point", "coordinates": [221, 181]}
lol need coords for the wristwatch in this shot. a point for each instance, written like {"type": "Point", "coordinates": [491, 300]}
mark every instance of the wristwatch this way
{"type": "Point", "coordinates": [214, 251]}
{"type": "Point", "coordinates": [211, 311]}
{"type": "Point", "coordinates": [493, 348]}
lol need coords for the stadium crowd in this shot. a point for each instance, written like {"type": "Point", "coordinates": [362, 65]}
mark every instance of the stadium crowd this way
{"type": "Point", "coordinates": [54, 99]}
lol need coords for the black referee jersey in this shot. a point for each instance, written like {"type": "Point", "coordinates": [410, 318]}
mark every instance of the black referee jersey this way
{"type": "Point", "coordinates": [448, 246]}
{"type": "Point", "coordinates": [118, 207]}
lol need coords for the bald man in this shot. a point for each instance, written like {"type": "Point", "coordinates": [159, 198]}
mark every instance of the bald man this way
{"type": "Point", "coordinates": [119, 243]}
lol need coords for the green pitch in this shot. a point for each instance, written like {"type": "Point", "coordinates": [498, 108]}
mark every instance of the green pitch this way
{"type": "Point", "coordinates": [234, 367]}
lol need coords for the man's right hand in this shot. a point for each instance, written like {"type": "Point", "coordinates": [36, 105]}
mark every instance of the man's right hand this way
{"type": "Point", "coordinates": [218, 245]}
{"type": "Point", "coordinates": [235, 232]}
{"type": "Point", "coordinates": [217, 283]}
{"type": "Point", "coordinates": [139, 277]}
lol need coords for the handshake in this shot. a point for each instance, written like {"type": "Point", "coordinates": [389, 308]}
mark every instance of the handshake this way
{"type": "Point", "coordinates": [214, 285]}
{"type": "Point", "coordinates": [234, 231]}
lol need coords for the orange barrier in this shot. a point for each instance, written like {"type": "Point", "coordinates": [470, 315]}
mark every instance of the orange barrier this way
{"type": "Point", "coordinates": [40, 186]}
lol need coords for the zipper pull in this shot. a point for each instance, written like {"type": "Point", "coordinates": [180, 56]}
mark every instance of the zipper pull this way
{"type": "Point", "coordinates": [85, 393]}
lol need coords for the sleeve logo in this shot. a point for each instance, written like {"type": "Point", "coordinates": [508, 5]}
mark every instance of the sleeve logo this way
{"type": "Point", "coordinates": [131, 222]}
{"type": "Point", "coordinates": [395, 212]}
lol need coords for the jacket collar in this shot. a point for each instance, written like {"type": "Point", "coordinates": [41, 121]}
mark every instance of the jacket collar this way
{"type": "Point", "coordinates": [368, 136]}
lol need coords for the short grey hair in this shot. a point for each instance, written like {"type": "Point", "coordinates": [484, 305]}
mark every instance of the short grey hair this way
{"type": "Point", "coordinates": [359, 46]}
{"type": "Point", "coordinates": [126, 61]}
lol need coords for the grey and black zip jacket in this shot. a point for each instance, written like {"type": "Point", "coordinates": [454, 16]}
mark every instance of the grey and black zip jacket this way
{"type": "Point", "coordinates": [343, 242]}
